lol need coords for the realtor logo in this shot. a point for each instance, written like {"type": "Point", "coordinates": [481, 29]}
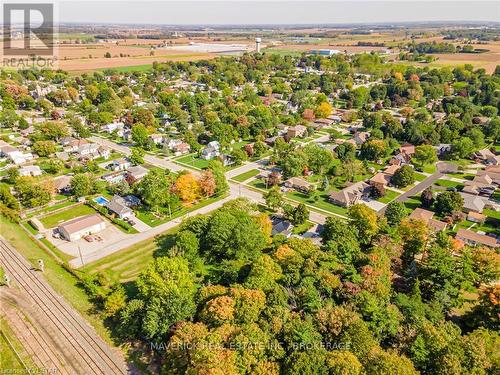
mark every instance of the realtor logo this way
{"type": "Point", "coordinates": [28, 29]}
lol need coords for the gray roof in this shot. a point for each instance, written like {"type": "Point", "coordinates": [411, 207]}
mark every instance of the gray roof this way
{"type": "Point", "coordinates": [118, 205]}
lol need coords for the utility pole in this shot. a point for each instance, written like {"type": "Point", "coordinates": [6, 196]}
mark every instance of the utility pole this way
{"type": "Point", "coordinates": [81, 257]}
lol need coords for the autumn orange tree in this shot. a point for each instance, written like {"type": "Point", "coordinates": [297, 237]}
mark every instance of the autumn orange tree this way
{"type": "Point", "coordinates": [187, 188]}
{"type": "Point", "coordinates": [207, 183]}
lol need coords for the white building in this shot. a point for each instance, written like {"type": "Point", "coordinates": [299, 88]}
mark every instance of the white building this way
{"type": "Point", "coordinates": [30, 170]}
{"type": "Point", "coordinates": [75, 229]}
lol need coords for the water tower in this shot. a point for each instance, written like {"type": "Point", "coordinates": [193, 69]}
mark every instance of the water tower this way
{"type": "Point", "coordinates": [257, 44]}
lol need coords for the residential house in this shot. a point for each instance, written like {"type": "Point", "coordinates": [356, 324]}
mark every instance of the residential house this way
{"type": "Point", "coordinates": [380, 178]}
{"type": "Point", "coordinates": [351, 194]}
{"type": "Point", "coordinates": [442, 149]}
{"type": "Point", "coordinates": [62, 155]}
{"type": "Point", "coordinates": [361, 137]}
{"type": "Point", "coordinates": [211, 151]}
{"type": "Point", "coordinates": [18, 157]}
{"type": "Point", "coordinates": [114, 126]}
{"type": "Point", "coordinates": [120, 165]}
{"type": "Point", "coordinates": [484, 155]}
{"type": "Point", "coordinates": [67, 141]}
{"type": "Point", "coordinates": [181, 148]}
{"type": "Point", "coordinates": [88, 151]}
{"type": "Point", "coordinates": [118, 206]}
{"type": "Point", "coordinates": [135, 174]}
{"type": "Point", "coordinates": [29, 130]}
{"type": "Point", "coordinates": [74, 145]}
{"type": "Point", "coordinates": [472, 203]}
{"type": "Point", "coordinates": [472, 238]}
{"type": "Point", "coordinates": [439, 116]}
{"type": "Point", "coordinates": [444, 167]}
{"type": "Point", "coordinates": [114, 177]}
{"type": "Point", "coordinates": [62, 184]}
{"type": "Point", "coordinates": [407, 149]}
{"type": "Point", "coordinates": [427, 217]}
{"type": "Point", "coordinates": [226, 160]}
{"type": "Point", "coordinates": [297, 131]}
{"type": "Point", "coordinates": [476, 217]}
{"type": "Point", "coordinates": [30, 170]}
{"type": "Point", "coordinates": [157, 139]}
{"type": "Point", "coordinates": [79, 227]}
{"type": "Point", "coordinates": [104, 152]}
{"type": "Point", "coordinates": [281, 226]}
{"type": "Point", "coordinates": [298, 184]}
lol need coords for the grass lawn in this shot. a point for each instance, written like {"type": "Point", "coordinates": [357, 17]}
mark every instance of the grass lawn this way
{"type": "Point", "coordinates": [13, 356]}
{"type": "Point", "coordinates": [51, 221]}
{"type": "Point", "coordinates": [413, 202]}
{"type": "Point", "coordinates": [429, 168]}
{"type": "Point", "coordinates": [464, 176]}
{"type": "Point", "coordinates": [449, 184]}
{"type": "Point", "coordinates": [145, 215]}
{"type": "Point", "coordinates": [192, 161]}
{"type": "Point", "coordinates": [125, 265]}
{"type": "Point", "coordinates": [322, 203]}
{"type": "Point", "coordinates": [259, 184]}
{"type": "Point", "coordinates": [419, 176]}
{"type": "Point", "coordinates": [389, 196]}
{"type": "Point", "coordinates": [302, 228]}
{"type": "Point", "coordinates": [245, 176]}
{"type": "Point", "coordinates": [63, 282]}
{"type": "Point", "coordinates": [51, 208]}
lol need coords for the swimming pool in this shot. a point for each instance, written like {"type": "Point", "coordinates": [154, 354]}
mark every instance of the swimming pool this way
{"type": "Point", "coordinates": [101, 201]}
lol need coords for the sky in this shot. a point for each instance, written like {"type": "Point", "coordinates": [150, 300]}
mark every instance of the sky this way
{"type": "Point", "coordinates": [235, 12]}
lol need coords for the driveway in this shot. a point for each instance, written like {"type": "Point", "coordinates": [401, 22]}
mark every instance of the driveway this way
{"type": "Point", "coordinates": [373, 204]}
{"type": "Point", "coordinates": [140, 225]}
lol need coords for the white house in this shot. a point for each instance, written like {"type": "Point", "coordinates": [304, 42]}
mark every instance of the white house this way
{"type": "Point", "coordinates": [211, 151]}
{"type": "Point", "coordinates": [30, 170]}
{"type": "Point", "coordinates": [120, 165]}
{"type": "Point", "coordinates": [75, 229]}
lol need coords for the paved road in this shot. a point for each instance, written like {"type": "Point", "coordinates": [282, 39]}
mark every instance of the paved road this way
{"type": "Point", "coordinates": [62, 332]}
{"type": "Point", "coordinates": [416, 189]}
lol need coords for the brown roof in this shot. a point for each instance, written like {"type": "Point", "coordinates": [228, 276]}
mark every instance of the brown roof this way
{"type": "Point", "coordinates": [437, 225]}
{"type": "Point", "coordinates": [381, 178]}
{"type": "Point", "coordinates": [476, 237]}
{"type": "Point", "coordinates": [390, 170]}
{"type": "Point", "coordinates": [476, 215]}
{"type": "Point", "coordinates": [421, 214]}
{"type": "Point", "coordinates": [296, 181]}
{"type": "Point", "coordinates": [82, 222]}
{"type": "Point", "coordinates": [407, 149]}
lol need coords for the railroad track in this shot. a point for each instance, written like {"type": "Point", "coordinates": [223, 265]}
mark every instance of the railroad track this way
{"type": "Point", "coordinates": [91, 354]}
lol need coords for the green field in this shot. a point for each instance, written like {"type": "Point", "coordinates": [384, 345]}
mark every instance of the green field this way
{"type": "Point", "coordinates": [245, 176]}
{"type": "Point", "coordinates": [129, 69]}
{"type": "Point", "coordinates": [413, 202]}
{"type": "Point", "coordinates": [53, 220]}
{"type": "Point", "coordinates": [125, 265]}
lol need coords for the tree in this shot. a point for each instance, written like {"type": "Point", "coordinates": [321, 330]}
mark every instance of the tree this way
{"type": "Point", "coordinates": [137, 155]}
{"type": "Point", "coordinates": [274, 198]}
{"type": "Point", "coordinates": [462, 147]}
{"type": "Point", "coordinates": [82, 184]}
{"type": "Point", "coordinates": [395, 212]}
{"type": "Point", "coordinates": [373, 149]}
{"type": "Point", "coordinates": [365, 220]}
{"type": "Point", "coordinates": [425, 154]}
{"type": "Point", "coordinates": [140, 135]}
{"type": "Point", "coordinates": [341, 239]}
{"type": "Point", "coordinates": [207, 183]}
{"type": "Point", "coordinates": [300, 214]}
{"type": "Point", "coordinates": [427, 197]}
{"type": "Point", "coordinates": [403, 177]}
{"type": "Point", "coordinates": [187, 187]}
{"type": "Point", "coordinates": [217, 169]}
{"type": "Point", "coordinates": [448, 202]}
{"type": "Point", "coordinates": [274, 178]}
{"type": "Point", "coordinates": [346, 151]}
{"type": "Point", "coordinates": [167, 288]}
{"type": "Point", "coordinates": [44, 148]}
{"type": "Point", "coordinates": [323, 110]}
{"type": "Point", "coordinates": [52, 130]}
{"type": "Point", "coordinates": [34, 192]}
{"type": "Point", "coordinates": [154, 189]}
